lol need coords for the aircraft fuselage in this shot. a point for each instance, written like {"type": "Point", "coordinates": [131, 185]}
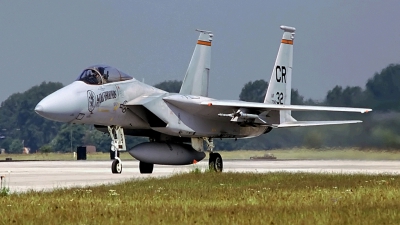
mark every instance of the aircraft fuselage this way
{"type": "Point", "coordinates": [104, 105]}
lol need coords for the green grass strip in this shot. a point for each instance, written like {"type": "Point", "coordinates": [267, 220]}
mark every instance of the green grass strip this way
{"type": "Point", "coordinates": [216, 198]}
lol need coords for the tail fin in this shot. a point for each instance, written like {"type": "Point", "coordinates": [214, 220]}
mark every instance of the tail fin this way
{"type": "Point", "coordinates": [197, 75]}
{"type": "Point", "coordinates": [280, 84]}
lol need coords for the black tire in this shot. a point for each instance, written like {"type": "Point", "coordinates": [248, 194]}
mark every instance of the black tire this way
{"type": "Point", "coordinates": [215, 162]}
{"type": "Point", "coordinates": [146, 168]}
{"type": "Point", "coordinates": [211, 162]}
{"type": "Point", "coordinates": [116, 167]}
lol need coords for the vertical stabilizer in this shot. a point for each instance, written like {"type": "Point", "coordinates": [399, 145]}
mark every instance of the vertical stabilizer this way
{"type": "Point", "coordinates": [197, 74]}
{"type": "Point", "coordinates": [280, 84]}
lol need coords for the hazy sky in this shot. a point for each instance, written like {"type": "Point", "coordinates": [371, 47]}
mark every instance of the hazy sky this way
{"type": "Point", "coordinates": [337, 42]}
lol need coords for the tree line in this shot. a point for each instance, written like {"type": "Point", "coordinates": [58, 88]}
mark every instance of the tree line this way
{"type": "Point", "coordinates": [20, 126]}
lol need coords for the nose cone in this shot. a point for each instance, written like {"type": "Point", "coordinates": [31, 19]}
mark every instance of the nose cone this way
{"type": "Point", "coordinates": [63, 105]}
{"type": "Point", "coordinates": [39, 109]}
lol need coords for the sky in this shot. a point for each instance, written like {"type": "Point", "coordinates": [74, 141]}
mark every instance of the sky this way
{"type": "Point", "coordinates": [337, 42]}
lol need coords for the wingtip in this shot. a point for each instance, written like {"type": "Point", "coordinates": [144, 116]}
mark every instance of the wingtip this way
{"type": "Point", "coordinates": [366, 111]}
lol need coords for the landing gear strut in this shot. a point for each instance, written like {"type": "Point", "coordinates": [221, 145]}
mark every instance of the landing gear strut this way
{"type": "Point", "coordinates": [117, 144]}
{"type": "Point", "coordinates": [215, 161]}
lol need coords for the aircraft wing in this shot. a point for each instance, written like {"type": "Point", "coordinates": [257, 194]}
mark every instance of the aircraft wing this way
{"type": "Point", "coordinates": [225, 106]}
{"type": "Point", "coordinates": [315, 123]}
{"type": "Point", "coordinates": [221, 109]}
{"type": "Point", "coordinates": [266, 106]}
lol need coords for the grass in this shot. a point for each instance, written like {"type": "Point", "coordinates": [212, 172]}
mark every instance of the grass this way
{"type": "Point", "coordinates": [5, 191]}
{"type": "Point", "coordinates": [216, 198]}
{"type": "Point", "coordinates": [4, 188]}
{"type": "Point", "coordinates": [303, 153]}
{"type": "Point", "coordinates": [296, 153]}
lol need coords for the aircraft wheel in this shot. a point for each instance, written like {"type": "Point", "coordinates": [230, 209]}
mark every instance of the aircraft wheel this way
{"type": "Point", "coordinates": [146, 167]}
{"type": "Point", "coordinates": [215, 162]}
{"type": "Point", "coordinates": [116, 166]}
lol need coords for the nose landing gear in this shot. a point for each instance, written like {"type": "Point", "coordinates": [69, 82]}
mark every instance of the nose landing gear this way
{"type": "Point", "coordinates": [116, 166]}
{"type": "Point", "coordinates": [117, 144]}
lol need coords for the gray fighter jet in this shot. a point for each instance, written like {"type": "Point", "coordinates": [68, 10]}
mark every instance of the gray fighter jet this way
{"type": "Point", "coordinates": [180, 126]}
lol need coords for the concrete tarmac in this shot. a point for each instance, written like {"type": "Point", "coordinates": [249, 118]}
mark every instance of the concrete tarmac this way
{"type": "Point", "coordinates": [47, 175]}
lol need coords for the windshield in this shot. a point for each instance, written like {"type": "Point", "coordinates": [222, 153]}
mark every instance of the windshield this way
{"type": "Point", "coordinates": [98, 75]}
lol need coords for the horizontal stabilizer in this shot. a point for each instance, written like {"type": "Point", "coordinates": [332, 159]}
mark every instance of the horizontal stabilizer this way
{"type": "Point", "coordinates": [314, 123]}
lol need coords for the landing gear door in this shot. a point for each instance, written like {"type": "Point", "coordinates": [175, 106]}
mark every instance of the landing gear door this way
{"type": "Point", "coordinates": [118, 138]}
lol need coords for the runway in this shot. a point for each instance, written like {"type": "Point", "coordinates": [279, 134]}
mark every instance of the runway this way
{"type": "Point", "coordinates": [47, 175]}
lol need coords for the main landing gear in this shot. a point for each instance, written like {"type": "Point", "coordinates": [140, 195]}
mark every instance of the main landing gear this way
{"type": "Point", "coordinates": [215, 160]}
{"type": "Point", "coordinates": [117, 144]}
{"type": "Point", "coordinates": [146, 167]}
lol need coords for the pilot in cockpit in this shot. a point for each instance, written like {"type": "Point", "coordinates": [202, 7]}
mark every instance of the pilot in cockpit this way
{"type": "Point", "coordinates": [99, 75]}
{"type": "Point", "coordinates": [98, 78]}
{"type": "Point", "coordinates": [104, 76]}
{"type": "Point", "coordinates": [91, 77]}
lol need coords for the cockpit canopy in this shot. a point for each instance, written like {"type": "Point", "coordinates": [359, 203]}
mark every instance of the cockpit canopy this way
{"type": "Point", "coordinates": [101, 74]}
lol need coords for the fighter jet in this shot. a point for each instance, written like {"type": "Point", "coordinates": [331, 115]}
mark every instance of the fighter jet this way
{"type": "Point", "coordinates": [180, 126]}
